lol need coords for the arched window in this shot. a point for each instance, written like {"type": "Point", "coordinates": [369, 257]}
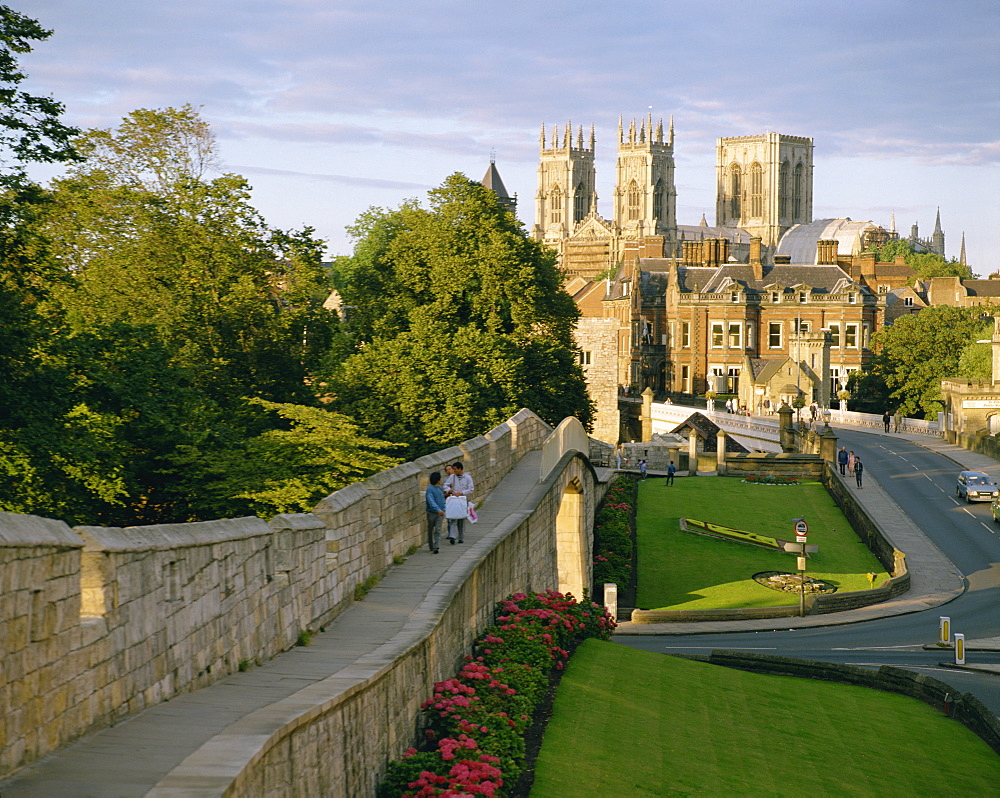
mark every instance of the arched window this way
{"type": "Point", "coordinates": [735, 191]}
{"type": "Point", "coordinates": [556, 206]}
{"type": "Point", "coordinates": [756, 191]}
{"type": "Point", "coordinates": [797, 191]}
{"type": "Point", "coordinates": [659, 200]}
{"type": "Point", "coordinates": [634, 199]}
{"type": "Point", "coordinates": [784, 189]}
{"type": "Point", "coordinates": [580, 202]}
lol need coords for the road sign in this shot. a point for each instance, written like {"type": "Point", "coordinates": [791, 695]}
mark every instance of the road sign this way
{"type": "Point", "coordinates": [801, 527]}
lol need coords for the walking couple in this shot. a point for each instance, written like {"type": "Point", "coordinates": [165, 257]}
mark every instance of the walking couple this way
{"type": "Point", "coordinates": [449, 501]}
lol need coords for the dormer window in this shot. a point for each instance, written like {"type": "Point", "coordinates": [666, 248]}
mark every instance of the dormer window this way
{"type": "Point", "coordinates": [802, 296]}
{"type": "Point", "coordinates": [735, 296]}
{"type": "Point", "coordinates": [852, 298]}
{"type": "Point", "coordinates": [775, 297]}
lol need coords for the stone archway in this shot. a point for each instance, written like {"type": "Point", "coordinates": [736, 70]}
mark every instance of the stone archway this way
{"type": "Point", "coordinates": [571, 543]}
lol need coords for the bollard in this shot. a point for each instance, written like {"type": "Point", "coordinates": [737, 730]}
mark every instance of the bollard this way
{"type": "Point", "coordinates": [959, 649]}
{"type": "Point", "coordinates": [944, 630]}
{"type": "Point", "coordinates": [611, 599]}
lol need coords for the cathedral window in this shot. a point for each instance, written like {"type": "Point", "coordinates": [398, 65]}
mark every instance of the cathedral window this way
{"type": "Point", "coordinates": [659, 206]}
{"type": "Point", "coordinates": [784, 189]}
{"type": "Point", "coordinates": [735, 190]}
{"type": "Point", "coordinates": [756, 191]}
{"type": "Point", "coordinates": [634, 199]}
{"type": "Point", "coordinates": [580, 203]}
{"type": "Point", "coordinates": [556, 206]}
{"type": "Point", "coordinates": [797, 189]}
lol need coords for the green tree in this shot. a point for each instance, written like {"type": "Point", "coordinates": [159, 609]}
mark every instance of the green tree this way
{"type": "Point", "coordinates": [289, 468]}
{"type": "Point", "coordinates": [926, 264]}
{"type": "Point", "coordinates": [919, 350]}
{"type": "Point", "coordinates": [31, 130]}
{"type": "Point", "coordinates": [976, 362]}
{"type": "Point", "coordinates": [149, 240]}
{"type": "Point", "coordinates": [458, 320]}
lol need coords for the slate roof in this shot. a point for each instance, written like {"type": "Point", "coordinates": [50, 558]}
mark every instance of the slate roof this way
{"type": "Point", "coordinates": [982, 287]}
{"type": "Point", "coordinates": [493, 182]}
{"type": "Point", "coordinates": [821, 279]}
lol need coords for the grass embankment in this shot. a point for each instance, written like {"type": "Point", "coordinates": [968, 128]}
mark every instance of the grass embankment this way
{"type": "Point", "coordinates": [629, 722]}
{"type": "Point", "coordinates": [682, 570]}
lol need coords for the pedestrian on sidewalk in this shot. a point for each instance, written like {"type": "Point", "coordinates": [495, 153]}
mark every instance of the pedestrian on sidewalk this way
{"type": "Point", "coordinates": [434, 497]}
{"type": "Point", "coordinates": [842, 460]}
{"type": "Point", "coordinates": [618, 456]}
{"type": "Point", "coordinates": [885, 420]}
{"type": "Point", "coordinates": [671, 470]}
{"type": "Point", "coordinates": [642, 468]}
{"type": "Point", "coordinates": [859, 470]}
{"type": "Point", "coordinates": [897, 420]}
{"type": "Point", "coordinates": [850, 463]}
{"type": "Point", "coordinates": [459, 484]}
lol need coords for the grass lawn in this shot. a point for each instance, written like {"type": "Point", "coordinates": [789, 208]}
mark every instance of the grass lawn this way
{"type": "Point", "coordinates": [682, 570]}
{"type": "Point", "coordinates": [630, 722]}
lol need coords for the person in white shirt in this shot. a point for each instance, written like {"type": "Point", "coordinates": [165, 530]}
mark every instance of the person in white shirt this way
{"type": "Point", "coordinates": [458, 484]}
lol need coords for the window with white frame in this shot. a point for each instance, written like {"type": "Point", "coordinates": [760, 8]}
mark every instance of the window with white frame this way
{"type": "Point", "coordinates": [734, 296]}
{"type": "Point", "coordinates": [908, 301]}
{"type": "Point", "coordinates": [686, 334]}
{"type": "Point", "coordinates": [717, 335]}
{"type": "Point", "coordinates": [775, 296]}
{"type": "Point", "coordinates": [834, 334]}
{"type": "Point", "coordinates": [802, 296]}
{"type": "Point", "coordinates": [735, 335]}
{"type": "Point", "coordinates": [801, 326]}
{"type": "Point", "coordinates": [852, 298]}
{"type": "Point", "coordinates": [851, 336]}
{"type": "Point", "coordinates": [774, 335]}
{"type": "Point", "coordinates": [584, 358]}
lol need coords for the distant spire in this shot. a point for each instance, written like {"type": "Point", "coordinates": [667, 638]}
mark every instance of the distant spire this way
{"type": "Point", "coordinates": [620, 131]}
{"type": "Point", "coordinates": [592, 141]}
{"type": "Point", "coordinates": [892, 222]}
{"type": "Point", "coordinates": [568, 138]}
{"type": "Point", "coordinates": [961, 256]}
{"type": "Point", "coordinates": [937, 221]}
{"type": "Point", "coordinates": [579, 138]}
{"type": "Point", "coordinates": [671, 141]}
{"type": "Point", "coordinates": [704, 221]}
{"type": "Point", "coordinates": [542, 139]}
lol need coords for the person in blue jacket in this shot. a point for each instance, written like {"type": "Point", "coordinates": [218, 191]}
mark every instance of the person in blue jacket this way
{"type": "Point", "coordinates": [434, 497]}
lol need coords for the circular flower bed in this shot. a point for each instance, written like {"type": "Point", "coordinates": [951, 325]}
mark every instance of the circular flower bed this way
{"type": "Point", "coordinates": [771, 480]}
{"type": "Point", "coordinates": [793, 583]}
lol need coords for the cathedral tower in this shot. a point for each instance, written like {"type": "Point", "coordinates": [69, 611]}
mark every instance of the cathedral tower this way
{"type": "Point", "coordinates": [566, 192]}
{"type": "Point", "coordinates": [645, 196]}
{"type": "Point", "coordinates": [764, 184]}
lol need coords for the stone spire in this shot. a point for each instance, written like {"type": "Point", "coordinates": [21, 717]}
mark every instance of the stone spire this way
{"type": "Point", "coordinates": [670, 139]}
{"type": "Point", "coordinates": [937, 238]}
{"type": "Point", "coordinates": [892, 222]}
{"type": "Point", "coordinates": [961, 256]}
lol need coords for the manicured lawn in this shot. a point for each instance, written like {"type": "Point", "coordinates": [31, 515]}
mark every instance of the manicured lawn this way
{"type": "Point", "coordinates": [682, 570]}
{"type": "Point", "coordinates": [629, 722]}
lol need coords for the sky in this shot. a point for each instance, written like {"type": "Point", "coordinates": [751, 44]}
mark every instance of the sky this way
{"type": "Point", "coordinates": [329, 107]}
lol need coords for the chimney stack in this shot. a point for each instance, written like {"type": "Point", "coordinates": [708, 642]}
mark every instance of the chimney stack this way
{"type": "Point", "coordinates": [755, 264]}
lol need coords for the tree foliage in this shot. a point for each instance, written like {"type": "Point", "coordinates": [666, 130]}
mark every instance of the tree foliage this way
{"type": "Point", "coordinates": [458, 320]}
{"type": "Point", "coordinates": [921, 349]}
{"type": "Point", "coordinates": [926, 264]}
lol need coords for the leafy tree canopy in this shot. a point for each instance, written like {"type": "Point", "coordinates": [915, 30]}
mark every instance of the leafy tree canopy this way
{"type": "Point", "coordinates": [926, 264]}
{"type": "Point", "coordinates": [30, 127]}
{"type": "Point", "coordinates": [921, 349]}
{"type": "Point", "coordinates": [458, 319]}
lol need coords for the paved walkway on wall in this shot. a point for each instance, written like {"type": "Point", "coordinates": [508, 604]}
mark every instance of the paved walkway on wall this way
{"type": "Point", "coordinates": [933, 579]}
{"type": "Point", "coordinates": [193, 744]}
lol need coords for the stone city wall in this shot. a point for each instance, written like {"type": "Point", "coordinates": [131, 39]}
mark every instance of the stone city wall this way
{"type": "Point", "coordinates": [341, 745]}
{"type": "Point", "coordinates": [98, 623]}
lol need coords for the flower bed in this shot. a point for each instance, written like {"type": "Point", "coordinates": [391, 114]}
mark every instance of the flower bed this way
{"type": "Point", "coordinates": [473, 740]}
{"type": "Point", "coordinates": [771, 480]}
{"type": "Point", "coordinates": [613, 534]}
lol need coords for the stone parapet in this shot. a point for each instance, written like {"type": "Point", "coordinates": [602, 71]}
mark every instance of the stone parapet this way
{"type": "Point", "coordinates": [98, 623]}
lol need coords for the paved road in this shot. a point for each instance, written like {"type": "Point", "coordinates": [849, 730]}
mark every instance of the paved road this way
{"type": "Point", "coordinates": [911, 480]}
